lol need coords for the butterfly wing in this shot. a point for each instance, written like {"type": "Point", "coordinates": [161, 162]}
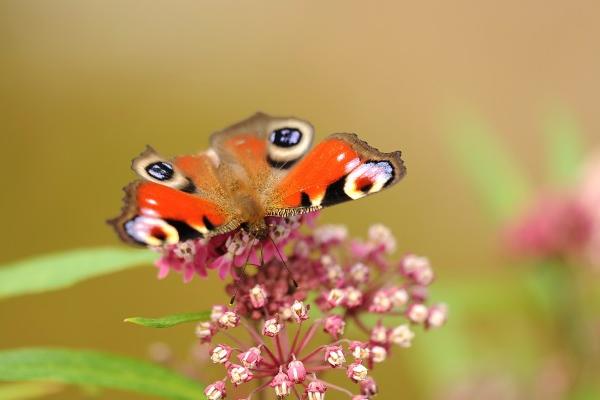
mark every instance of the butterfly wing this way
{"type": "Point", "coordinates": [341, 168]}
{"type": "Point", "coordinates": [174, 201]}
{"type": "Point", "coordinates": [262, 148]}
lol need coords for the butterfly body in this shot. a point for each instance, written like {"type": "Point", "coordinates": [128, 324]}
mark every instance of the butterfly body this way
{"type": "Point", "coordinates": [257, 168]}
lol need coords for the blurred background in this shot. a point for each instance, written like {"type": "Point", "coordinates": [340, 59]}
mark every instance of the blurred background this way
{"type": "Point", "coordinates": [86, 85]}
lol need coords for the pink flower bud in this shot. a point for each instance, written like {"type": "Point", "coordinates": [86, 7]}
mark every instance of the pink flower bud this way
{"type": "Point", "coordinates": [381, 236]}
{"type": "Point", "coordinates": [229, 319]}
{"type": "Point", "coordinates": [251, 358]}
{"type": "Point", "coordinates": [220, 354]}
{"type": "Point", "coordinates": [316, 390]}
{"type": "Point", "coordinates": [379, 334]}
{"type": "Point", "coordinates": [353, 297]}
{"type": "Point", "coordinates": [205, 331]}
{"type": "Point", "coordinates": [356, 371]}
{"type": "Point", "coordinates": [417, 313]}
{"type": "Point", "coordinates": [217, 311]}
{"type": "Point", "coordinates": [299, 311]}
{"type": "Point", "coordinates": [272, 327]}
{"type": "Point", "coordinates": [378, 354]}
{"type": "Point", "coordinates": [334, 325]}
{"type": "Point", "coordinates": [399, 297]}
{"type": "Point", "coordinates": [334, 356]}
{"type": "Point", "coordinates": [368, 387]}
{"type": "Point", "coordinates": [437, 316]}
{"type": "Point", "coordinates": [359, 273]}
{"type": "Point", "coordinates": [258, 296]}
{"type": "Point", "coordinates": [382, 302]}
{"type": "Point", "coordinates": [282, 384]}
{"type": "Point", "coordinates": [296, 371]}
{"type": "Point", "coordinates": [239, 374]}
{"type": "Point", "coordinates": [215, 391]}
{"type": "Point", "coordinates": [359, 350]}
{"type": "Point", "coordinates": [402, 336]}
{"type": "Point", "coordinates": [335, 297]}
{"type": "Point", "coordinates": [418, 269]}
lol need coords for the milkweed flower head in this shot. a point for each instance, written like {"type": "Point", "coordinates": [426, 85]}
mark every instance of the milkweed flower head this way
{"type": "Point", "coordinates": [563, 224]}
{"type": "Point", "coordinates": [268, 339]}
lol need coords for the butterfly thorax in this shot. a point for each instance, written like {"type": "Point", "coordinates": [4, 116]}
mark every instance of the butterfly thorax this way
{"type": "Point", "coordinates": [252, 214]}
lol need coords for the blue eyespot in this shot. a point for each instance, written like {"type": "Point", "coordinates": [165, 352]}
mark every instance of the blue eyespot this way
{"type": "Point", "coordinates": [160, 170]}
{"type": "Point", "coordinates": [286, 137]}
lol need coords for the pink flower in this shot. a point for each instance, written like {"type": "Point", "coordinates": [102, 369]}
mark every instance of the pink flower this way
{"type": "Point", "coordinates": [285, 347]}
{"type": "Point", "coordinates": [296, 371]}
{"type": "Point", "coordinates": [250, 358]}
{"type": "Point", "coordinates": [215, 391]}
{"type": "Point", "coordinates": [282, 384]}
{"type": "Point", "coordinates": [316, 390]}
{"type": "Point", "coordinates": [356, 371]}
{"type": "Point", "coordinates": [334, 325]}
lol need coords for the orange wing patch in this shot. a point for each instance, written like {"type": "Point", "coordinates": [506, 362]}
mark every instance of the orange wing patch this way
{"type": "Point", "coordinates": [160, 215]}
{"type": "Point", "coordinates": [339, 169]}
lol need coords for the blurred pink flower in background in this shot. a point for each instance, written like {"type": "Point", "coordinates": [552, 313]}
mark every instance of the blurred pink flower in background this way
{"type": "Point", "coordinates": [561, 225]}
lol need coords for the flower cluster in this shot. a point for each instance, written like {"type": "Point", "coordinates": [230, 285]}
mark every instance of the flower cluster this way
{"type": "Point", "coordinates": [564, 225]}
{"type": "Point", "coordinates": [228, 252]}
{"type": "Point", "coordinates": [340, 281]}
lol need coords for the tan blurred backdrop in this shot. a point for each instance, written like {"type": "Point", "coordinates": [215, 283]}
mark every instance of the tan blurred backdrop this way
{"type": "Point", "coordinates": [85, 85]}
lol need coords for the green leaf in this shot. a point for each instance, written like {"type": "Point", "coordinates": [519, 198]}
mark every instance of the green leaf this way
{"type": "Point", "coordinates": [169, 320]}
{"type": "Point", "coordinates": [61, 270]}
{"type": "Point", "coordinates": [485, 160]}
{"type": "Point", "coordinates": [28, 390]}
{"type": "Point", "coordinates": [84, 367]}
{"type": "Point", "coordinates": [564, 150]}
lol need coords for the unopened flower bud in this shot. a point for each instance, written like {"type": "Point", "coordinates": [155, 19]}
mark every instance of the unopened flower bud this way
{"type": "Point", "coordinates": [272, 327]}
{"type": "Point", "coordinates": [258, 296]}
{"type": "Point", "coordinates": [250, 358]}
{"type": "Point", "coordinates": [334, 356]}
{"type": "Point", "coordinates": [353, 297]}
{"type": "Point", "coordinates": [359, 350]}
{"type": "Point", "coordinates": [417, 313]}
{"type": "Point", "coordinates": [380, 235]}
{"type": "Point", "coordinates": [215, 391]}
{"type": "Point", "coordinates": [299, 311]}
{"type": "Point", "coordinates": [335, 297]}
{"type": "Point", "coordinates": [416, 268]}
{"type": "Point", "coordinates": [216, 312]}
{"type": "Point", "coordinates": [334, 325]}
{"type": "Point", "coordinates": [296, 371]}
{"type": "Point", "coordinates": [220, 354]}
{"type": "Point", "coordinates": [359, 273]}
{"type": "Point", "coordinates": [399, 297]}
{"type": "Point", "coordinates": [379, 334]}
{"type": "Point", "coordinates": [229, 319]}
{"type": "Point", "coordinates": [316, 390]}
{"type": "Point", "coordinates": [368, 387]}
{"type": "Point", "coordinates": [402, 336]}
{"type": "Point", "coordinates": [356, 371]}
{"type": "Point", "coordinates": [239, 374]}
{"type": "Point", "coordinates": [382, 302]}
{"type": "Point", "coordinates": [437, 316]}
{"type": "Point", "coordinates": [282, 384]}
{"type": "Point", "coordinates": [378, 354]}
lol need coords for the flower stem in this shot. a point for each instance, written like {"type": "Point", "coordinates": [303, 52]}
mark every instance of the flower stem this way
{"type": "Point", "coordinates": [338, 388]}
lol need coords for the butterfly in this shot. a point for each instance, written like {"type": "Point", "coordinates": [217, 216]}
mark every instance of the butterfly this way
{"type": "Point", "coordinates": [260, 167]}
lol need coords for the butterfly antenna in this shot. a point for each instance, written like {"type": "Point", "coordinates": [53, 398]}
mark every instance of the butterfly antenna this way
{"type": "Point", "coordinates": [284, 263]}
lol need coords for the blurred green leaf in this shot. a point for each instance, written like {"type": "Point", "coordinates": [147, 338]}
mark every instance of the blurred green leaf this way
{"type": "Point", "coordinates": [86, 367]}
{"type": "Point", "coordinates": [61, 270]}
{"type": "Point", "coordinates": [488, 164]}
{"type": "Point", "coordinates": [28, 390]}
{"type": "Point", "coordinates": [564, 150]}
{"type": "Point", "coordinates": [169, 320]}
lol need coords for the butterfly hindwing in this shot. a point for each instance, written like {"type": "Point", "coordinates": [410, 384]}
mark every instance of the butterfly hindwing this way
{"type": "Point", "coordinates": [339, 169]}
